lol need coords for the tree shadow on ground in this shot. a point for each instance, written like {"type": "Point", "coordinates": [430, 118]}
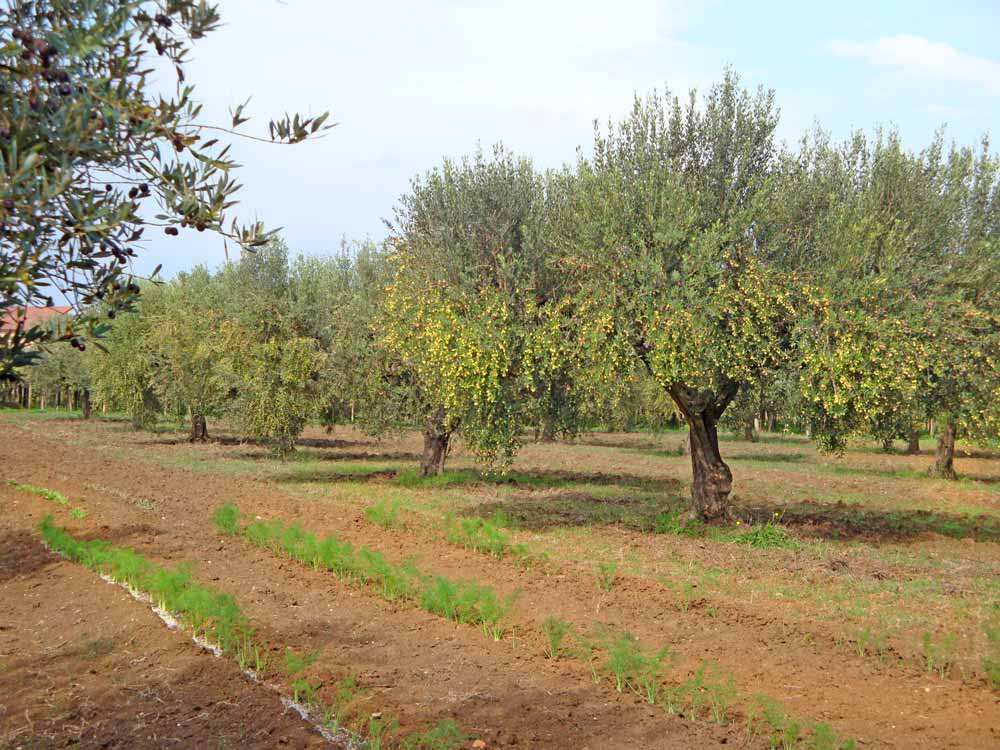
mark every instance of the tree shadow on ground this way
{"type": "Point", "coordinates": [661, 513]}
{"type": "Point", "coordinates": [568, 508]}
{"type": "Point", "coordinates": [638, 444]}
{"type": "Point", "coordinates": [529, 482]}
{"type": "Point", "coordinates": [764, 457]}
{"type": "Point", "coordinates": [180, 438]}
{"type": "Point", "coordinates": [362, 474]}
{"type": "Point", "coordinates": [264, 455]}
{"type": "Point", "coordinates": [844, 521]}
{"type": "Point", "coordinates": [779, 457]}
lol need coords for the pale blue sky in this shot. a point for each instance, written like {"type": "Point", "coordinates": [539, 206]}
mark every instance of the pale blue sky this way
{"type": "Point", "coordinates": [411, 82]}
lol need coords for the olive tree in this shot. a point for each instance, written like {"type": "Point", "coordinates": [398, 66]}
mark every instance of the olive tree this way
{"type": "Point", "coordinates": [465, 326]}
{"type": "Point", "coordinates": [670, 260]}
{"type": "Point", "coordinates": [270, 358]}
{"type": "Point", "coordinates": [187, 353]}
{"type": "Point", "coordinates": [92, 154]}
{"type": "Point", "coordinates": [902, 251]}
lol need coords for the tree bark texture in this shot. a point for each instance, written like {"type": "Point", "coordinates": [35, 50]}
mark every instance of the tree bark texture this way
{"type": "Point", "coordinates": [944, 458]}
{"type": "Point", "coordinates": [437, 440]}
{"type": "Point", "coordinates": [711, 478]}
{"type": "Point", "coordinates": [913, 442]}
{"type": "Point", "coordinates": [199, 428]}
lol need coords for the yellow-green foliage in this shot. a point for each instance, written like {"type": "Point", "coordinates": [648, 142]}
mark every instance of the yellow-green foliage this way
{"type": "Point", "coordinates": [278, 372]}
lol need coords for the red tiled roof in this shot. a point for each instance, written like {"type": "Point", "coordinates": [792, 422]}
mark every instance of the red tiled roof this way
{"type": "Point", "coordinates": [32, 316]}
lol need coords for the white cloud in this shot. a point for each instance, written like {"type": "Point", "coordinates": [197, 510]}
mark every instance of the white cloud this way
{"type": "Point", "coordinates": [919, 55]}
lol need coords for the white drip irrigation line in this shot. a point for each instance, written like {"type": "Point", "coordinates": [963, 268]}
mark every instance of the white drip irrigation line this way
{"type": "Point", "coordinates": [340, 736]}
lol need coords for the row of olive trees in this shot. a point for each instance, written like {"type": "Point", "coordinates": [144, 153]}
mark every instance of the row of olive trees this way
{"type": "Point", "coordinates": [691, 263]}
{"type": "Point", "coordinates": [265, 343]}
{"type": "Point", "coordinates": [860, 277]}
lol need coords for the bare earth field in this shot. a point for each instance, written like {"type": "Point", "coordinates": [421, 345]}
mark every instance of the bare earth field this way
{"type": "Point", "coordinates": [867, 609]}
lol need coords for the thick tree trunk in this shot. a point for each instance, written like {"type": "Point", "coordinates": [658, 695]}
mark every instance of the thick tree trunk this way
{"type": "Point", "coordinates": [437, 440]}
{"type": "Point", "coordinates": [913, 443]}
{"type": "Point", "coordinates": [435, 452]}
{"type": "Point", "coordinates": [749, 433]}
{"type": "Point", "coordinates": [944, 459]}
{"type": "Point", "coordinates": [711, 478]}
{"type": "Point", "coordinates": [85, 398]}
{"type": "Point", "coordinates": [549, 431]}
{"type": "Point", "coordinates": [887, 445]}
{"type": "Point", "coordinates": [199, 428]}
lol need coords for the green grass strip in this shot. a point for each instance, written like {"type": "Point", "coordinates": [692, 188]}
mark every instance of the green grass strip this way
{"type": "Point", "coordinates": [209, 613]}
{"type": "Point", "coordinates": [56, 497]}
{"type": "Point", "coordinates": [215, 617]}
{"type": "Point", "coordinates": [464, 602]}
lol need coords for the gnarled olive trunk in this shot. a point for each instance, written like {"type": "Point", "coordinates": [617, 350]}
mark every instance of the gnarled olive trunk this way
{"type": "Point", "coordinates": [887, 445]}
{"type": "Point", "coordinates": [711, 478]}
{"type": "Point", "coordinates": [437, 439]}
{"type": "Point", "coordinates": [944, 458]}
{"type": "Point", "coordinates": [913, 442]}
{"type": "Point", "coordinates": [749, 433]}
{"type": "Point", "coordinates": [548, 431]}
{"type": "Point", "coordinates": [85, 398]}
{"type": "Point", "coordinates": [199, 428]}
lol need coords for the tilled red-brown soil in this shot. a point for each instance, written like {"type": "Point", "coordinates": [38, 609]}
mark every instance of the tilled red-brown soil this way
{"type": "Point", "coordinates": [416, 665]}
{"type": "Point", "coordinates": [82, 664]}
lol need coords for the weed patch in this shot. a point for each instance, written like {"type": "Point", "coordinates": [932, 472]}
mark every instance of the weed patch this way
{"type": "Point", "coordinates": [384, 513]}
{"type": "Point", "coordinates": [606, 573]}
{"type": "Point", "coordinates": [555, 631]}
{"type": "Point", "coordinates": [766, 536]}
{"type": "Point", "coordinates": [939, 655]}
{"type": "Point", "coordinates": [991, 662]}
{"type": "Point", "coordinates": [483, 536]}
{"type": "Point", "coordinates": [768, 720]}
{"type": "Point", "coordinates": [676, 523]}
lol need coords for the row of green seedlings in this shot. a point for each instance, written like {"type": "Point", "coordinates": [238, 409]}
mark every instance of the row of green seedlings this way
{"type": "Point", "coordinates": [465, 602]}
{"type": "Point", "coordinates": [937, 655]}
{"type": "Point", "coordinates": [707, 693]}
{"type": "Point", "coordinates": [380, 731]}
{"type": "Point", "coordinates": [489, 536]}
{"type": "Point", "coordinates": [215, 619]}
{"type": "Point", "coordinates": [51, 495]}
